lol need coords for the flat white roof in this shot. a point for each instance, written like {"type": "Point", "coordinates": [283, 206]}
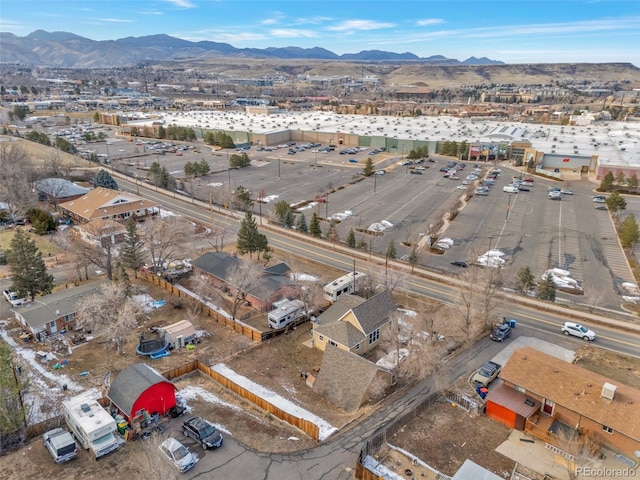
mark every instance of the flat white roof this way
{"type": "Point", "coordinates": [93, 416]}
{"type": "Point", "coordinates": [615, 143]}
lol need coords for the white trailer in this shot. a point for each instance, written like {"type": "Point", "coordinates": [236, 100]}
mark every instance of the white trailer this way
{"type": "Point", "coordinates": [348, 283]}
{"type": "Point", "coordinates": [91, 424]}
{"type": "Point", "coordinates": [285, 313]}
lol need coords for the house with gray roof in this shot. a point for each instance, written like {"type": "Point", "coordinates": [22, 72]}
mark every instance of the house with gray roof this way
{"type": "Point", "coordinates": [274, 284]}
{"type": "Point", "coordinates": [54, 313]}
{"type": "Point", "coordinates": [353, 323]}
{"type": "Point", "coordinates": [58, 190]}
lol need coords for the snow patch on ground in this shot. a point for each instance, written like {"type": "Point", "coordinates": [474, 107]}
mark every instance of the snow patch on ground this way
{"type": "Point", "coordinates": [304, 277]}
{"type": "Point", "coordinates": [325, 429]}
{"type": "Point", "coordinates": [562, 278]}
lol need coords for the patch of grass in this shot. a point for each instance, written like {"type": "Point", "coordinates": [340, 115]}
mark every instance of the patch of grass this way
{"type": "Point", "coordinates": [44, 243]}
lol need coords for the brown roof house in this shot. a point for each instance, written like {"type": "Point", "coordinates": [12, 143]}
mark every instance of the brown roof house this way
{"type": "Point", "coordinates": [347, 380]}
{"type": "Point", "coordinates": [353, 323]}
{"type": "Point", "coordinates": [100, 231]}
{"type": "Point", "coordinates": [567, 398]}
{"type": "Point", "coordinates": [104, 203]}
{"type": "Point", "coordinates": [274, 284]}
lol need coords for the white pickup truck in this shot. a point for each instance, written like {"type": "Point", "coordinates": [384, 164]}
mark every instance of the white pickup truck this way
{"type": "Point", "coordinates": [12, 298]}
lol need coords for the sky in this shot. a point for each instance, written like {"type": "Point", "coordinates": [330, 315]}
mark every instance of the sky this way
{"type": "Point", "coordinates": [531, 31]}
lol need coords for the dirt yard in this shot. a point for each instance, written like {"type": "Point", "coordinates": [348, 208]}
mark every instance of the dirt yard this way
{"type": "Point", "coordinates": [445, 436]}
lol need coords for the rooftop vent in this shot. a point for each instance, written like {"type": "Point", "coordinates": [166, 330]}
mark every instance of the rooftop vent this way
{"type": "Point", "coordinates": [530, 402]}
{"type": "Point", "coordinates": [608, 391]}
{"type": "Point", "coordinates": [85, 407]}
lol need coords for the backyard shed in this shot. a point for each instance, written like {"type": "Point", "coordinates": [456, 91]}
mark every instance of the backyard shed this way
{"type": "Point", "coordinates": [140, 391]}
{"type": "Point", "coordinates": [179, 334]}
{"type": "Point", "coordinates": [510, 407]}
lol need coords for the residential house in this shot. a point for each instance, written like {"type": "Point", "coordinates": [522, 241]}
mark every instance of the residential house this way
{"type": "Point", "coordinates": [54, 313]}
{"type": "Point", "coordinates": [100, 231]}
{"type": "Point", "coordinates": [275, 283]}
{"type": "Point", "coordinates": [347, 380]}
{"type": "Point", "coordinates": [354, 323]}
{"type": "Point", "coordinates": [104, 203]}
{"type": "Point", "coordinates": [568, 398]}
{"type": "Point", "coordinates": [59, 190]}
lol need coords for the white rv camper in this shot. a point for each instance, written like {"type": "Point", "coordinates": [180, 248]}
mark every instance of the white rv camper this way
{"type": "Point", "coordinates": [348, 283]}
{"type": "Point", "coordinates": [285, 313]}
{"type": "Point", "coordinates": [91, 424]}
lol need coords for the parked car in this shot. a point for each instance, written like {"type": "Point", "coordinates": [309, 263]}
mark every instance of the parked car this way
{"type": "Point", "coordinates": [178, 455]}
{"type": "Point", "coordinates": [555, 195]}
{"type": "Point", "coordinates": [564, 191]}
{"type": "Point", "coordinates": [487, 373]}
{"type": "Point", "coordinates": [501, 333]}
{"type": "Point", "coordinates": [577, 330]}
{"type": "Point", "coordinates": [462, 186]}
{"type": "Point", "coordinates": [459, 263]}
{"type": "Point", "coordinates": [599, 199]}
{"type": "Point", "coordinates": [202, 431]}
{"type": "Point", "coordinates": [416, 172]}
{"type": "Point", "coordinates": [353, 160]}
{"type": "Point", "coordinates": [380, 172]}
{"type": "Point", "coordinates": [601, 207]}
{"type": "Point", "coordinates": [510, 189]}
{"type": "Point", "coordinates": [60, 444]}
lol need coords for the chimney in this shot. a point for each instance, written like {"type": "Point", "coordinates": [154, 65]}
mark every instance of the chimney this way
{"type": "Point", "coordinates": [608, 391]}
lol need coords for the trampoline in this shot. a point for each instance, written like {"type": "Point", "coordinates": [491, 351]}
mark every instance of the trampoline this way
{"type": "Point", "coordinates": [150, 347]}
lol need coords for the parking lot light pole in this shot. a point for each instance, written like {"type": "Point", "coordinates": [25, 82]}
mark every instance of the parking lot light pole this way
{"type": "Point", "coordinates": [508, 208]}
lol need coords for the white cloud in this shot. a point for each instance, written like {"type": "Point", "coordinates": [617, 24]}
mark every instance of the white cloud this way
{"type": "Point", "coordinates": [360, 25]}
{"type": "Point", "coordinates": [292, 33]}
{"type": "Point", "coordinates": [116, 20]}
{"type": "Point", "coordinates": [151, 12]}
{"type": "Point", "coordinates": [181, 3]}
{"type": "Point", "coordinates": [429, 21]}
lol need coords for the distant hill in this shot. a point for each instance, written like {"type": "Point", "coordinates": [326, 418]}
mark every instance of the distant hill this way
{"type": "Point", "coordinates": [67, 50]}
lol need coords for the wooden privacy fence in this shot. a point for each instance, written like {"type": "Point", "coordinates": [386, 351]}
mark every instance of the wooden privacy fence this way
{"type": "Point", "coordinates": [238, 326]}
{"type": "Point", "coordinates": [310, 428]}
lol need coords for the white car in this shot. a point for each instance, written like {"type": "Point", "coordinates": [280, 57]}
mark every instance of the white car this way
{"type": "Point", "coordinates": [380, 172]}
{"type": "Point", "coordinates": [577, 330]}
{"type": "Point", "coordinates": [461, 187]}
{"type": "Point", "coordinates": [179, 455]}
{"type": "Point", "coordinates": [599, 199]}
{"type": "Point", "coordinates": [564, 191]}
{"type": "Point", "coordinates": [510, 189]}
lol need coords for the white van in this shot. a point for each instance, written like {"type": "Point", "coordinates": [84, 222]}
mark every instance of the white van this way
{"type": "Point", "coordinates": [510, 189]}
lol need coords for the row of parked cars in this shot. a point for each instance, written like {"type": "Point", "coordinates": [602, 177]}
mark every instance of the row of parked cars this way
{"type": "Point", "coordinates": [63, 447]}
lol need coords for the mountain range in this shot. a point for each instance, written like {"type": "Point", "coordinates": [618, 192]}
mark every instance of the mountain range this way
{"type": "Point", "coordinates": [67, 50]}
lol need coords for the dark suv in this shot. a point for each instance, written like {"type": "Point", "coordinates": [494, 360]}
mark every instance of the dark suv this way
{"type": "Point", "coordinates": [501, 333]}
{"type": "Point", "coordinates": [202, 431]}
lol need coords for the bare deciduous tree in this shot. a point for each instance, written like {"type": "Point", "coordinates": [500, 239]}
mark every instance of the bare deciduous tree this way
{"type": "Point", "coordinates": [243, 278]}
{"type": "Point", "coordinates": [216, 237]}
{"type": "Point", "coordinates": [479, 302]}
{"type": "Point", "coordinates": [150, 461]}
{"type": "Point", "coordinates": [162, 236]}
{"type": "Point", "coordinates": [579, 451]}
{"type": "Point", "coordinates": [98, 245]}
{"type": "Point", "coordinates": [110, 313]}
{"type": "Point", "coordinates": [16, 176]}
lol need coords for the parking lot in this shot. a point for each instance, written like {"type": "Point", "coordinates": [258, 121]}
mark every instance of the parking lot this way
{"type": "Point", "coordinates": [527, 227]}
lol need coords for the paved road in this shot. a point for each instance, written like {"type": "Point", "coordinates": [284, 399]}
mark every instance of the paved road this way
{"type": "Point", "coordinates": [440, 288]}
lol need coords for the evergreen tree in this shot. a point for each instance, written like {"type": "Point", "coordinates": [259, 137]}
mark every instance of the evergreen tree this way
{"type": "Point", "coordinates": [351, 239]}
{"type": "Point", "coordinates": [132, 253]}
{"type": "Point", "coordinates": [104, 179]}
{"type": "Point", "coordinates": [12, 410]}
{"type": "Point", "coordinates": [248, 240]}
{"type": "Point", "coordinates": [616, 203]}
{"type": "Point", "coordinates": [289, 219]}
{"type": "Point", "coordinates": [547, 289]}
{"type": "Point", "coordinates": [29, 273]}
{"type": "Point", "coordinates": [314, 225]}
{"type": "Point", "coordinates": [606, 185]}
{"type": "Point", "coordinates": [281, 209]}
{"type": "Point", "coordinates": [526, 280]}
{"type": "Point", "coordinates": [391, 250]}
{"type": "Point", "coordinates": [368, 167]}
{"type": "Point", "coordinates": [301, 225]}
{"type": "Point", "coordinates": [629, 232]}
{"type": "Point", "coordinates": [633, 181]}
